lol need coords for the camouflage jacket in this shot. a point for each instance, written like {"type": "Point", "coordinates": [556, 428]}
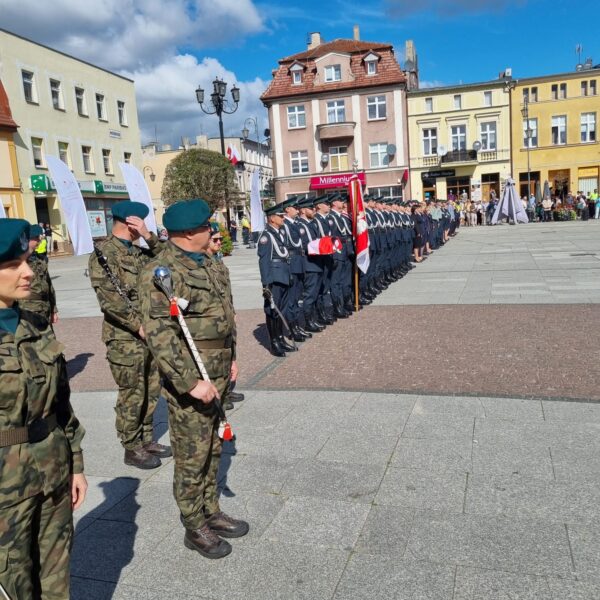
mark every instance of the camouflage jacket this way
{"type": "Point", "coordinates": [33, 385]}
{"type": "Point", "coordinates": [42, 299]}
{"type": "Point", "coordinates": [209, 317]}
{"type": "Point", "coordinates": [120, 321]}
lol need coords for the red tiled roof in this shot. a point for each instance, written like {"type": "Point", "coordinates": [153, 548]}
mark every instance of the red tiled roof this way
{"type": "Point", "coordinates": [388, 70]}
{"type": "Point", "coordinates": [6, 120]}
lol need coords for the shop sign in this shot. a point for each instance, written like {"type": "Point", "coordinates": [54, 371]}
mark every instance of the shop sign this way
{"type": "Point", "coordinates": [41, 183]}
{"type": "Point", "coordinates": [334, 181]}
{"type": "Point", "coordinates": [440, 173]}
{"type": "Point", "coordinates": [110, 188]}
{"type": "Point", "coordinates": [588, 172]}
{"type": "Point", "coordinates": [97, 221]}
{"type": "Point", "coordinates": [87, 186]}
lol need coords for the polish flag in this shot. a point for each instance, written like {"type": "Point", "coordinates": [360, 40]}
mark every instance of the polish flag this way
{"type": "Point", "coordinates": [233, 155]}
{"type": "Point", "coordinates": [360, 231]}
{"type": "Point", "coordinates": [325, 245]}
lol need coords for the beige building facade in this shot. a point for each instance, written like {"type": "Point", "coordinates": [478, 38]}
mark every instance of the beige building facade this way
{"type": "Point", "coordinates": [336, 108]}
{"type": "Point", "coordinates": [460, 140]}
{"type": "Point", "coordinates": [83, 114]}
{"type": "Point", "coordinates": [11, 197]}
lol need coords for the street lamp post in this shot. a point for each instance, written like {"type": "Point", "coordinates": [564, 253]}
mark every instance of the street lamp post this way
{"type": "Point", "coordinates": [509, 86]}
{"type": "Point", "coordinates": [219, 105]}
{"type": "Point", "coordinates": [528, 136]}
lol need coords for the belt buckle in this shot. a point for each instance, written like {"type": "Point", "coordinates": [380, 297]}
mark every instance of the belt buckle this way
{"type": "Point", "coordinates": [38, 430]}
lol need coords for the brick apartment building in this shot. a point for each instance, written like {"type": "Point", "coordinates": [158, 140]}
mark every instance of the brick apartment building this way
{"type": "Point", "coordinates": [337, 107]}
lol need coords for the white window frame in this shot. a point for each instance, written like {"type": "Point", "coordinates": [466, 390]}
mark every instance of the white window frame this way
{"type": "Point", "coordinates": [371, 67]}
{"type": "Point", "coordinates": [458, 138]}
{"type": "Point", "coordinates": [67, 153]}
{"type": "Point", "coordinates": [297, 77]}
{"type": "Point", "coordinates": [378, 156]}
{"type": "Point", "coordinates": [379, 105]}
{"type": "Point", "coordinates": [102, 105]}
{"type": "Point", "coordinates": [335, 110]}
{"type": "Point", "coordinates": [332, 73]}
{"type": "Point", "coordinates": [562, 91]}
{"type": "Point", "coordinates": [107, 161]}
{"type": "Point", "coordinates": [560, 123]}
{"type": "Point", "coordinates": [429, 137]}
{"type": "Point", "coordinates": [122, 113]}
{"type": "Point", "coordinates": [127, 157]}
{"type": "Point", "coordinates": [299, 161]}
{"type": "Point", "coordinates": [457, 101]}
{"type": "Point", "coordinates": [90, 154]}
{"type": "Point", "coordinates": [84, 109]}
{"type": "Point", "coordinates": [533, 140]}
{"type": "Point", "coordinates": [42, 155]}
{"type": "Point", "coordinates": [60, 104]}
{"type": "Point", "coordinates": [336, 155]}
{"type": "Point", "coordinates": [298, 113]}
{"type": "Point", "coordinates": [593, 87]}
{"type": "Point", "coordinates": [489, 135]}
{"type": "Point", "coordinates": [534, 94]}
{"type": "Point", "coordinates": [429, 104]}
{"type": "Point", "coordinates": [584, 88]}
{"type": "Point", "coordinates": [32, 83]}
{"type": "Point", "coordinates": [588, 127]}
{"type": "Point", "coordinates": [487, 98]}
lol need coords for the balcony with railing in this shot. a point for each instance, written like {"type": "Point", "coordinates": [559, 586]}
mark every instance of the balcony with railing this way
{"type": "Point", "coordinates": [331, 131]}
{"type": "Point", "coordinates": [460, 156]}
{"type": "Point", "coordinates": [493, 155]}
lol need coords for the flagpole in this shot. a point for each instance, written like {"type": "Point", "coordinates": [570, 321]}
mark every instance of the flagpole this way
{"type": "Point", "coordinates": [353, 209]}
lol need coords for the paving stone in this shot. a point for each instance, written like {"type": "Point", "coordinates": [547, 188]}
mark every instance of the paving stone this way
{"type": "Point", "coordinates": [567, 589]}
{"type": "Point", "coordinates": [531, 459]}
{"type": "Point", "coordinates": [363, 449]}
{"type": "Point", "coordinates": [513, 409]}
{"type": "Point", "coordinates": [439, 426]}
{"type": "Point", "coordinates": [477, 584]}
{"type": "Point", "coordinates": [386, 531]}
{"type": "Point", "coordinates": [433, 455]}
{"type": "Point", "coordinates": [414, 489]}
{"type": "Point", "coordinates": [458, 406]}
{"type": "Point", "coordinates": [391, 578]}
{"type": "Point", "coordinates": [378, 404]}
{"type": "Point", "coordinates": [572, 411]}
{"type": "Point", "coordinates": [585, 545]}
{"type": "Point", "coordinates": [335, 480]}
{"type": "Point", "coordinates": [497, 543]}
{"type": "Point", "coordinates": [576, 464]}
{"type": "Point", "coordinates": [258, 474]}
{"type": "Point", "coordinates": [284, 443]}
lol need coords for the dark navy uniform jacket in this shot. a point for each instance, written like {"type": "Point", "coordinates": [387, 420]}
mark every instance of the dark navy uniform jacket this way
{"type": "Point", "coordinates": [293, 242]}
{"type": "Point", "coordinates": [339, 230]}
{"type": "Point", "coordinates": [273, 258]}
{"type": "Point", "coordinates": [309, 232]}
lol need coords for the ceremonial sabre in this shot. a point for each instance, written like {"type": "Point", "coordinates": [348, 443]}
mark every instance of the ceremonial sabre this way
{"type": "Point", "coordinates": [163, 280]}
{"type": "Point", "coordinates": [268, 295]}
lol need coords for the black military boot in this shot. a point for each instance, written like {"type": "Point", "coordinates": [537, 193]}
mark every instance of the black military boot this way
{"type": "Point", "coordinates": [226, 526]}
{"type": "Point", "coordinates": [158, 449]}
{"type": "Point", "coordinates": [362, 299]}
{"type": "Point", "coordinates": [349, 306]}
{"type": "Point", "coordinates": [235, 396]}
{"type": "Point", "coordinates": [276, 349]}
{"type": "Point", "coordinates": [296, 335]}
{"type": "Point", "coordinates": [338, 311]}
{"type": "Point", "coordinates": [206, 542]}
{"type": "Point", "coordinates": [281, 339]}
{"type": "Point", "coordinates": [323, 316]}
{"type": "Point", "coordinates": [310, 325]}
{"type": "Point", "coordinates": [317, 320]}
{"type": "Point", "coordinates": [141, 458]}
{"type": "Point", "coordinates": [303, 331]}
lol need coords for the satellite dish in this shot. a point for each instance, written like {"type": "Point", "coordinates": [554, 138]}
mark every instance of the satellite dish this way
{"type": "Point", "coordinates": [442, 150]}
{"type": "Point", "coordinates": [477, 145]}
{"type": "Point", "coordinates": [391, 150]}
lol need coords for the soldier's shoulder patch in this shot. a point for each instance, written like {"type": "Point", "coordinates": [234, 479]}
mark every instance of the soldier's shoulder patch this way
{"type": "Point", "coordinates": [263, 239]}
{"type": "Point", "coordinates": [301, 229]}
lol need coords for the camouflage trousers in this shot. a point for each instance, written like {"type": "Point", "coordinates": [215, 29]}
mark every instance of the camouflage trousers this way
{"type": "Point", "coordinates": [137, 376]}
{"type": "Point", "coordinates": [196, 446]}
{"type": "Point", "coordinates": [35, 550]}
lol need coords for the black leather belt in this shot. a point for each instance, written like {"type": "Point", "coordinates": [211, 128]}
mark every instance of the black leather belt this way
{"type": "Point", "coordinates": [280, 260]}
{"type": "Point", "coordinates": [36, 431]}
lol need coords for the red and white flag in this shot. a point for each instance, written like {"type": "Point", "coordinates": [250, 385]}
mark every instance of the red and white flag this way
{"type": "Point", "coordinates": [360, 231]}
{"type": "Point", "coordinates": [324, 245]}
{"type": "Point", "coordinates": [233, 155]}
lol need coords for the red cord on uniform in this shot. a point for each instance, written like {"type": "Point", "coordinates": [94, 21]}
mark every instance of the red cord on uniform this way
{"type": "Point", "coordinates": [174, 308]}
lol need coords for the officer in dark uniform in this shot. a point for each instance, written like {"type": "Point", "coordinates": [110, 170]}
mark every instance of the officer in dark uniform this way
{"type": "Point", "coordinates": [313, 270]}
{"type": "Point", "coordinates": [340, 258]}
{"type": "Point", "coordinates": [324, 225]}
{"type": "Point", "coordinates": [275, 276]}
{"type": "Point", "coordinates": [348, 279]}
{"type": "Point", "coordinates": [293, 243]}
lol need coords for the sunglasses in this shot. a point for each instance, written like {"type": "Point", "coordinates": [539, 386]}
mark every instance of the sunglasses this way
{"type": "Point", "coordinates": [217, 239]}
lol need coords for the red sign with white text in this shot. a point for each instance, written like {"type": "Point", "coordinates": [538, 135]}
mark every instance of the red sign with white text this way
{"type": "Point", "coordinates": [335, 180]}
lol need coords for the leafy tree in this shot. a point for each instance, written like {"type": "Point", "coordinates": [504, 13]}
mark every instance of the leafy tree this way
{"type": "Point", "coordinates": [199, 173]}
{"type": "Point", "coordinates": [226, 244]}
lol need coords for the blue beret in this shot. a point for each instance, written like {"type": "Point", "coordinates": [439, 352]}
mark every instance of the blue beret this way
{"type": "Point", "coordinates": [14, 238]}
{"type": "Point", "coordinates": [186, 215]}
{"type": "Point", "coordinates": [35, 231]}
{"type": "Point", "coordinates": [128, 208]}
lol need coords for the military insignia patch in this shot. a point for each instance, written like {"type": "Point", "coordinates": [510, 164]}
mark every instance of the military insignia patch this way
{"type": "Point", "coordinates": [263, 240]}
{"type": "Point", "coordinates": [302, 230]}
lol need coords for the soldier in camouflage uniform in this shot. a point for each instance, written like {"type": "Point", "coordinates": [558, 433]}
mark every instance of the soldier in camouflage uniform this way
{"type": "Point", "coordinates": [192, 415]}
{"type": "Point", "coordinates": [130, 360]}
{"type": "Point", "coordinates": [41, 464]}
{"type": "Point", "coordinates": [42, 299]}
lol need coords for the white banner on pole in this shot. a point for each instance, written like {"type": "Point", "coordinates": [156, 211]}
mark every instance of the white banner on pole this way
{"type": "Point", "coordinates": [257, 216]}
{"type": "Point", "coordinates": [2, 211]}
{"type": "Point", "coordinates": [72, 204]}
{"type": "Point", "coordinates": [138, 192]}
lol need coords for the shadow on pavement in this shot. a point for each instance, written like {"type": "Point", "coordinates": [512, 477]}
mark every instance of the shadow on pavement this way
{"type": "Point", "coordinates": [227, 454]}
{"type": "Point", "coordinates": [78, 363]}
{"type": "Point", "coordinates": [261, 335]}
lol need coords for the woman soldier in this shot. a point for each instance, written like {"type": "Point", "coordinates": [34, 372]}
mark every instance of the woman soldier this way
{"type": "Point", "coordinates": [41, 465]}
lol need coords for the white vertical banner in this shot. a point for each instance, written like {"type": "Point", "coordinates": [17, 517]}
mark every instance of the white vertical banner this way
{"type": "Point", "coordinates": [257, 216]}
{"type": "Point", "coordinates": [72, 204]}
{"type": "Point", "coordinates": [138, 192]}
{"type": "Point", "coordinates": [2, 211]}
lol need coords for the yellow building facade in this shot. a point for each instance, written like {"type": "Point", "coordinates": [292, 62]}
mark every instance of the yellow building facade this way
{"type": "Point", "coordinates": [562, 147]}
{"type": "Point", "coordinates": [11, 197]}
{"type": "Point", "coordinates": [459, 140]}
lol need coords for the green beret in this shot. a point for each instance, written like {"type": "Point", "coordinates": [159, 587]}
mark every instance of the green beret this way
{"type": "Point", "coordinates": [35, 231]}
{"type": "Point", "coordinates": [214, 228]}
{"type": "Point", "coordinates": [128, 208]}
{"type": "Point", "coordinates": [186, 215]}
{"type": "Point", "coordinates": [14, 238]}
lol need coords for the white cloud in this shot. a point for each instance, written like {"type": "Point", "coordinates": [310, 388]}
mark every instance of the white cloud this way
{"type": "Point", "coordinates": [141, 39]}
{"type": "Point", "coordinates": [431, 84]}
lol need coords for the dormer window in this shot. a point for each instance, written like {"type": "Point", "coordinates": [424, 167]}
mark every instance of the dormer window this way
{"type": "Point", "coordinates": [333, 73]}
{"type": "Point", "coordinates": [296, 70]}
{"type": "Point", "coordinates": [371, 61]}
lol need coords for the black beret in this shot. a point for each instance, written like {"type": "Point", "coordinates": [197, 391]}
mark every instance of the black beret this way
{"type": "Point", "coordinates": [14, 238]}
{"type": "Point", "coordinates": [128, 208]}
{"type": "Point", "coordinates": [186, 215]}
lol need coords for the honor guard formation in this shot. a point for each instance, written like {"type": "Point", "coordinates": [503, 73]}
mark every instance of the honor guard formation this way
{"type": "Point", "coordinates": [306, 258]}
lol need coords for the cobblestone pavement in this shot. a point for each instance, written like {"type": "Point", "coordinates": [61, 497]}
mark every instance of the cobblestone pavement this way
{"type": "Point", "coordinates": [427, 447]}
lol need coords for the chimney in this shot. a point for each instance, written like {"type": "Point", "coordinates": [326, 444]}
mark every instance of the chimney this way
{"type": "Point", "coordinates": [357, 33]}
{"type": "Point", "coordinates": [315, 40]}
